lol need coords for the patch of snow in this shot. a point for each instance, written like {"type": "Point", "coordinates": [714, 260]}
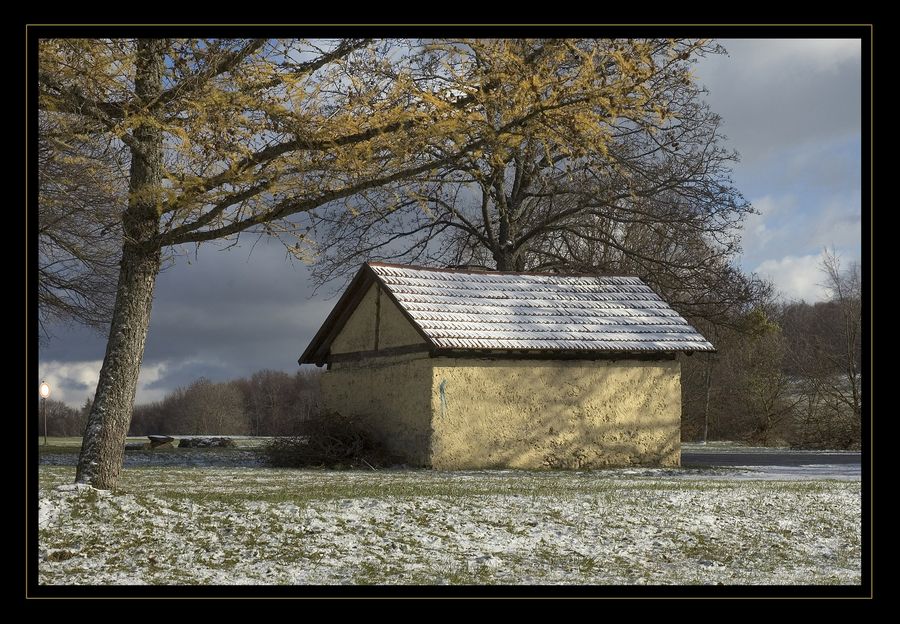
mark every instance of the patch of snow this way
{"type": "Point", "coordinates": [205, 525]}
{"type": "Point", "coordinates": [79, 487]}
{"type": "Point", "coordinates": [806, 472]}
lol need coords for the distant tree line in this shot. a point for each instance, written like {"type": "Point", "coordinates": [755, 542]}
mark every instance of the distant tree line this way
{"type": "Point", "coordinates": [784, 373]}
{"type": "Point", "coordinates": [268, 403]}
{"type": "Point", "coordinates": [63, 420]}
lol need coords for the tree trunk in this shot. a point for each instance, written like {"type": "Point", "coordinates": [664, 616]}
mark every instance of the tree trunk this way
{"type": "Point", "coordinates": [504, 255]}
{"type": "Point", "coordinates": [706, 403]}
{"type": "Point", "coordinates": [104, 437]}
{"type": "Point", "coordinates": [508, 260]}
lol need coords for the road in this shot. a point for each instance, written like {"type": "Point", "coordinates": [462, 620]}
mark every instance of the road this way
{"type": "Point", "coordinates": [768, 457]}
{"type": "Point", "coordinates": [773, 463]}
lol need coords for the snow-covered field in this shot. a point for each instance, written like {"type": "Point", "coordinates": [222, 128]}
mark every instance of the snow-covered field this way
{"type": "Point", "coordinates": [250, 525]}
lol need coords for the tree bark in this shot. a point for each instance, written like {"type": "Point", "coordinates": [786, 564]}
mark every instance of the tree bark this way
{"type": "Point", "coordinates": [508, 259]}
{"type": "Point", "coordinates": [708, 392]}
{"type": "Point", "coordinates": [103, 445]}
{"type": "Point", "coordinates": [504, 260]}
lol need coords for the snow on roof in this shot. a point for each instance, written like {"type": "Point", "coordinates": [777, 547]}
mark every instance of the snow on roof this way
{"type": "Point", "coordinates": [475, 310]}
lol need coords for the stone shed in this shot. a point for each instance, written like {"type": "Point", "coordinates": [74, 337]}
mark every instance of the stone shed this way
{"type": "Point", "coordinates": [466, 369]}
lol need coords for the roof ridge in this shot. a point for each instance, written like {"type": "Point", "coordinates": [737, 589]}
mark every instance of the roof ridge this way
{"type": "Point", "coordinates": [419, 267]}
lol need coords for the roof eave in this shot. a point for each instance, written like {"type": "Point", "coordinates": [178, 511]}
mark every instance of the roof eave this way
{"type": "Point", "coordinates": [460, 351]}
{"type": "Point", "coordinates": [317, 350]}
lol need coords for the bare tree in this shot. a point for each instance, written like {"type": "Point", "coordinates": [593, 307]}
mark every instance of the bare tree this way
{"type": "Point", "coordinates": [767, 397]}
{"type": "Point", "coordinates": [784, 371]}
{"type": "Point", "coordinates": [845, 287]}
{"type": "Point", "coordinates": [209, 407]}
{"type": "Point", "coordinates": [267, 400]}
{"type": "Point", "coordinates": [655, 199]}
{"type": "Point", "coordinates": [81, 192]}
{"type": "Point", "coordinates": [826, 357]}
{"type": "Point", "coordinates": [269, 403]}
{"type": "Point", "coordinates": [62, 420]}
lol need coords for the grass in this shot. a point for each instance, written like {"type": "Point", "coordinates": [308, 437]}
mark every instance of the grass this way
{"type": "Point", "coordinates": [275, 485]}
{"type": "Point", "coordinates": [253, 525]}
{"type": "Point", "coordinates": [64, 452]}
{"type": "Point", "coordinates": [72, 444]}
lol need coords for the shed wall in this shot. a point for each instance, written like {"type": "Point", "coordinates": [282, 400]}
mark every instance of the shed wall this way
{"type": "Point", "coordinates": [555, 414]}
{"type": "Point", "coordinates": [390, 398]}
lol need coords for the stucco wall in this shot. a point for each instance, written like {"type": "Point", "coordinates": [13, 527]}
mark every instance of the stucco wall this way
{"type": "Point", "coordinates": [395, 330]}
{"type": "Point", "coordinates": [391, 397]}
{"type": "Point", "coordinates": [359, 332]}
{"type": "Point", "coordinates": [559, 414]}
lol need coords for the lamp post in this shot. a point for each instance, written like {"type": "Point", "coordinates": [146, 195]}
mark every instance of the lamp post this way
{"type": "Point", "coordinates": [45, 392]}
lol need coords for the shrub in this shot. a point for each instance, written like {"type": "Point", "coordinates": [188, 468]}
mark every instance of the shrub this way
{"type": "Point", "coordinates": [327, 440]}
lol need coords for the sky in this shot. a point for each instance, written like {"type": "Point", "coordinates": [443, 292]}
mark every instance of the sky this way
{"type": "Point", "coordinates": [790, 107]}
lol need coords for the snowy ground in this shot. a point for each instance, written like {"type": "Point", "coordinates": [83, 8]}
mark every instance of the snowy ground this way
{"type": "Point", "coordinates": [250, 525]}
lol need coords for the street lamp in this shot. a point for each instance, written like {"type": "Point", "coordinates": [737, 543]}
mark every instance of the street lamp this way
{"type": "Point", "coordinates": [45, 392]}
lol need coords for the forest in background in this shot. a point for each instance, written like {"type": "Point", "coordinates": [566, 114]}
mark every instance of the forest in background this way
{"type": "Point", "coordinates": [268, 403]}
{"type": "Point", "coordinates": [784, 373]}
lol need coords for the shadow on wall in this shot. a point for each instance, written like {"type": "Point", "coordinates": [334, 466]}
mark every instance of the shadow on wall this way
{"type": "Point", "coordinates": [572, 415]}
{"type": "Point", "coordinates": [392, 402]}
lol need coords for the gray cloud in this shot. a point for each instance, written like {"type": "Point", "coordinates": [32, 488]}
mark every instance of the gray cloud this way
{"type": "Point", "coordinates": [780, 93]}
{"type": "Point", "coordinates": [74, 386]}
{"type": "Point", "coordinates": [220, 315]}
{"type": "Point", "coordinates": [72, 343]}
{"type": "Point", "coordinates": [792, 108]}
{"type": "Point", "coordinates": [240, 309]}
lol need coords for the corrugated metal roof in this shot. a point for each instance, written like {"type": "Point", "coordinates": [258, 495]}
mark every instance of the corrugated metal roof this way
{"type": "Point", "coordinates": [470, 310]}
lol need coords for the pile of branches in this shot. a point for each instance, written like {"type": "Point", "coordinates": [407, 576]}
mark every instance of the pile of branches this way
{"type": "Point", "coordinates": [328, 440]}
